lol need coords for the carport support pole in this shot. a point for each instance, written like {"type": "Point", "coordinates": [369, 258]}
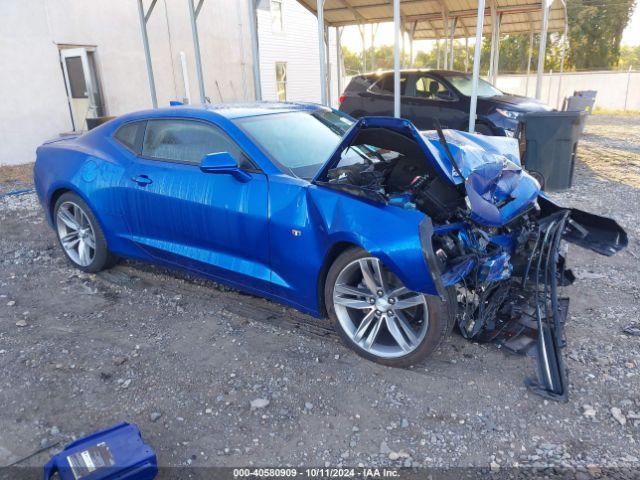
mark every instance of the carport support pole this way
{"type": "Point", "coordinates": [321, 53]}
{"type": "Point", "coordinates": [542, 49]}
{"type": "Point", "coordinates": [492, 53]}
{"type": "Point", "coordinates": [562, 52]}
{"type": "Point", "coordinates": [445, 33]}
{"type": "Point", "coordinates": [454, 22]}
{"type": "Point", "coordinates": [193, 13]}
{"type": "Point", "coordinates": [476, 67]}
{"type": "Point", "coordinates": [147, 52]}
{"type": "Point", "coordinates": [526, 87]}
{"type": "Point", "coordinates": [496, 53]}
{"type": "Point", "coordinates": [339, 59]}
{"type": "Point", "coordinates": [396, 58]}
{"type": "Point", "coordinates": [626, 93]}
{"type": "Point", "coordinates": [466, 54]}
{"type": "Point", "coordinates": [255, 50]}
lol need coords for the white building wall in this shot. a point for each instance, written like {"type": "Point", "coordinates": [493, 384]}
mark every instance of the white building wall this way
{"type": "Point", "coordinates": [34, 106]}
{"type": "Point", "coordinates": [297, 45]}
{"type": "Point", "coordinates": [612, 87]}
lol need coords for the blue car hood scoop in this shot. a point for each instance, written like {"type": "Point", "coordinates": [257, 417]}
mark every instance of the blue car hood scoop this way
{"type": "Point", "coordinates": [497, 187]}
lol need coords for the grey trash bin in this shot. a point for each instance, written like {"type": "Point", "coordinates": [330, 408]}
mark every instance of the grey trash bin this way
{"type": "Point", "coordinates": [549, 141]}
{"type": "Point", "coordinates": [581, 101]}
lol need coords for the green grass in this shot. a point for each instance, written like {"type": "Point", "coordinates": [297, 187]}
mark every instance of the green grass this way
{"type": "Point", "coordinates": [621, 113]}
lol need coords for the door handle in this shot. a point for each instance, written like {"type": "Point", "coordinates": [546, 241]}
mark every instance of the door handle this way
{"type": "Point", "coordinates": [142, 180]}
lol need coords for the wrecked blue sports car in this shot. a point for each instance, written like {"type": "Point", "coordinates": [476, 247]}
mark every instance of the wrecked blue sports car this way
{"type": "Point", "coordinates": [396, 235]}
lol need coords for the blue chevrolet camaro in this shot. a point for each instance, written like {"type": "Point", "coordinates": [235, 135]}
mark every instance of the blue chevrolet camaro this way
{"type": "Point", "coordinates": [394, 234]}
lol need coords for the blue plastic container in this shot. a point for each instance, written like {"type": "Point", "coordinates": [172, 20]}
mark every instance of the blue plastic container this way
{"type": "Point", "coordinates": [117, 452]}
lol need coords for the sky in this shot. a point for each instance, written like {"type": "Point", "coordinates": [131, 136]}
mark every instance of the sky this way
{"type": "Point", "coordinates": [384, 36]}
{"type": "Point", "coordinates": [631, 35]}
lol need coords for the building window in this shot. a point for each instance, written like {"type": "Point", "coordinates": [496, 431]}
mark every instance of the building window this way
{"type": "Point", "coordinates": [281, 81]}
{"type": "Point", "coordinates": [276, 16]}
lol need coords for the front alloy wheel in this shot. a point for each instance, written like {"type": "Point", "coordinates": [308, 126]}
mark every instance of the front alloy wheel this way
{"type": "Point", "coordinates": [376, 315]}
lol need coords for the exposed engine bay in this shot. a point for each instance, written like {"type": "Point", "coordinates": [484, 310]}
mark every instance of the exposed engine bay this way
{"type": "Point", "coordinates": [498, 241]}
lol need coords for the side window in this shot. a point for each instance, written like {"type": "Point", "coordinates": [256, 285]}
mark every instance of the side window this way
{"type": "Point", "coordinates": [384, 86]}
{"type": "Point", "coordinates": [130, 136]}
{"type": "Point", "coordinates": [427, 87]}
{"type": "Point", "coordinates": [187, 142]}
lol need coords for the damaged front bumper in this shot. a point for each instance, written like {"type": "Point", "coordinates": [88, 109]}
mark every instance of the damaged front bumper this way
{"type": "Point", "coordinates": [507, 281]}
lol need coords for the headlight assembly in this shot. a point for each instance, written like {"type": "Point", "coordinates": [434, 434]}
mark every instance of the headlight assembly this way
{"type": "Point", "coordinates": [508, 113]}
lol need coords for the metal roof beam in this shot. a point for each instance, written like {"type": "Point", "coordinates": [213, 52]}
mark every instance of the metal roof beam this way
{"type": "Point", "coordinates": [349, 7]}
{"type": "Point", "coordinates": [384, 4]}
{"type": "Point", "coordinates": [504, 25]}
{"type": "Point", "coordinates": [144, 18]}
{"type": "Point", "coordinates": [510, 9]}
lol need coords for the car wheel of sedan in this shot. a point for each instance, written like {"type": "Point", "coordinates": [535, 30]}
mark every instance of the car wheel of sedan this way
{"type": "Point", "coordinates": [483, 129]}
{"type": "Point", "coordinates": [80, 235]}
{"type": "Point", "coordinates": [377, 316]}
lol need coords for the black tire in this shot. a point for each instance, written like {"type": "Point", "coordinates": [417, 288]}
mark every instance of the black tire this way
{"type": "Point", "coordinates": [483, 129]}
{"type": "Point", "coordinates": [102, 258]}
{"type": "Point", "coordinates": [439, 327]}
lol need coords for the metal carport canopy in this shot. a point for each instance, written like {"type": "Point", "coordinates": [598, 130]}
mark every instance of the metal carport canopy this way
{"type": "Point", "coordinates": [434, 19]}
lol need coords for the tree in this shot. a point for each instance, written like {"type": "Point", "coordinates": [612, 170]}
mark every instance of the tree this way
{"type": "Point", "coordinates": [595, 31]}
{"type": "Point", "coordinates": [352, 61]}
{"type": "Point", "coordinates": [629, 57]}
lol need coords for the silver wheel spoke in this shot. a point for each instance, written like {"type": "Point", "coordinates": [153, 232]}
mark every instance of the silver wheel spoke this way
{"type": "Point", "coordinates": [379, 276]}
{"type": "Point", "coordinates": [369, 300]}
{"type": "Point", "coordinates": [76, 234]}
{"type": "Point", "coordinates": [367, 275]}
{"type": "Point", "coordinates": [68, 219]}
{"type": "Point", "coordinates": [77, 214]}
{"type": "Point", "coordinates": [364, 326]}
{"type": "Point", "coordinates": [352, 302]}
{"type": "Point", "coordinates": [73, 235]}
{"type": "Point", "coordinates": [344, 289]}
{"type": "Point", "coordinates": [373, 334]}
{"type": "Point", "coordinates": [406, 328]}
{"type": "Point", "coordinates": [83, 252]}
{"type": "Point", "coordinates": [395, 332]}
{"type": "Point", "coordinates": [90, 241]}
{"type": "Point", "coordinates": [412, 301]}
{"type": "Point", "coordinates": [69, 244]}
{"type": "Point", "coordinates": [399, 291]}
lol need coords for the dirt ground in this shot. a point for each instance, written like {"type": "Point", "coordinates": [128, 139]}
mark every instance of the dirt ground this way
{"type": "Point", "coordinates": [184, 359]}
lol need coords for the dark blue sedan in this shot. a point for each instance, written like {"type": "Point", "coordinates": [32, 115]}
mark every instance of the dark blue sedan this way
{"type": "Point", "coordinates": [443, 95]}
{"type": "Point", "coordinates": [394, 234]}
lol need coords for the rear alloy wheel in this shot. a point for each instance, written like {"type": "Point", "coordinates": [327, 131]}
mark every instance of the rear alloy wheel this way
{"type": "Point", "coordinates": [377, 316]}
{"type": "Point", "coordinates": [80, 235]}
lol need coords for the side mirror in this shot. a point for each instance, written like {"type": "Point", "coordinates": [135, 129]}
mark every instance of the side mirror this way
{"type": "Point", "coordinates": [223, 162]}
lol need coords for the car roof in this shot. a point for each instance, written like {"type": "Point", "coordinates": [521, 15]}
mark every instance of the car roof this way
{"type": "Point", "coordinates": [415, 70]}
{"type": "Point", "coordinates": [225, 110]}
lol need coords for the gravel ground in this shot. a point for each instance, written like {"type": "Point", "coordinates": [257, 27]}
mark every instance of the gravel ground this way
{"type": "Point", "coordinates": [218, 378]}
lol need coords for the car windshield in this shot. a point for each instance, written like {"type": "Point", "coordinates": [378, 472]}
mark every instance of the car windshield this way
{"type": "Point", "coordinates": [299, 142]}
{"type": "Point", "coordinates": [463, 84]}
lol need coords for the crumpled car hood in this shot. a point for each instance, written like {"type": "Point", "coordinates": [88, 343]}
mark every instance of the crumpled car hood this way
{"type": "Point", "coordinates": [497, 186]}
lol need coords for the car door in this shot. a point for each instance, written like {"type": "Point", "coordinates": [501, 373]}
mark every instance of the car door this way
{"type": "Point", "coordinates": [210, 222]}
{"type": "Point", "coordinates": [432, 100]}
{"type": "Point", "coordinates": [378, 99]}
